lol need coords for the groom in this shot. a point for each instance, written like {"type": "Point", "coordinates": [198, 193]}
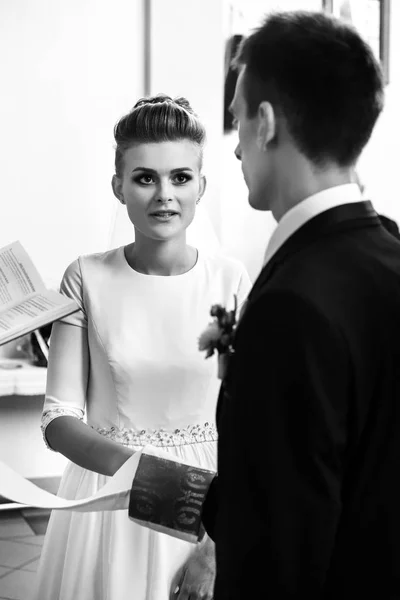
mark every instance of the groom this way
{"type": "Point", "coordinates": [307, 498]}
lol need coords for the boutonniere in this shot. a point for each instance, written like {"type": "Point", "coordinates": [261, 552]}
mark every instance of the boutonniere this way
{"type": "Point", "coordinates": [219, 336]}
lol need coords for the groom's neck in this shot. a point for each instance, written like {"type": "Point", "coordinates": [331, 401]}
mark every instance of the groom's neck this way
{"type": "Point", "coordinates": [301, 179]}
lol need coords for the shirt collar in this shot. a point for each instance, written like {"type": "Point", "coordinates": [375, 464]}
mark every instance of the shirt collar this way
{"type": "Point", "coordinates": [307, 209]}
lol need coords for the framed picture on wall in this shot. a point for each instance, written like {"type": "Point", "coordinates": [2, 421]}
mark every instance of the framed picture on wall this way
{"type": "Point", "coordinates": [372, 19]}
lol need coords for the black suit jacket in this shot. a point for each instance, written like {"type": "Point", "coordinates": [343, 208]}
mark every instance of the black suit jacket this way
{"type": "Point", "coordinates": [307, 498]}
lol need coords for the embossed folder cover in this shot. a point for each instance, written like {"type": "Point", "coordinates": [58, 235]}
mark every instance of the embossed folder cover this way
{"type": "Point", "coordinates": [168, 495]}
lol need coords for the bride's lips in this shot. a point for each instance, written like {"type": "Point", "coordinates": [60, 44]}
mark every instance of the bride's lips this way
{"type": "Point", "coordinates": [164, 215]}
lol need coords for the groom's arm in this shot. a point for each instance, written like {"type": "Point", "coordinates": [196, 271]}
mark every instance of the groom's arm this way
{"type": "Point", "coordinates": [287, 419]}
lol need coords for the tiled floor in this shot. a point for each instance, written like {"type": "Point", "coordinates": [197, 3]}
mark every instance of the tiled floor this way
{"type": "Point", "coordinates": [21, 538]}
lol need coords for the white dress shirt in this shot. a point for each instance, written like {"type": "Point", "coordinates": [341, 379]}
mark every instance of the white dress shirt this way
{"type": "Point", "coordinates": [307, 209]}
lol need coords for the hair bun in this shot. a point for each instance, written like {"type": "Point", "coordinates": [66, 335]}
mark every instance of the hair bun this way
{"type": "Point", "coordinates": [163, 98]}
{"type": "Point", "coordinates": [157, 99]}
{"type": "Point", "coordinates": [184, 103]}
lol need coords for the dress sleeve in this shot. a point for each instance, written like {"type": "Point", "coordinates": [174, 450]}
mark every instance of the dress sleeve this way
{"type": "Point", "coordinates": [68, 364]}
{"type": "Point", "coordinates": [72, 287]}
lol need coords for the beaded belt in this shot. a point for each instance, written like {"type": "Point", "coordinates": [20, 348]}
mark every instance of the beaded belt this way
{"type": "Point", "coordinates": [192, 434]}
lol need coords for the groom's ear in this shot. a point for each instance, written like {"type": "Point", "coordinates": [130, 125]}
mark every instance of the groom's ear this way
{"type": "Point", "coordinates": [266, 129]}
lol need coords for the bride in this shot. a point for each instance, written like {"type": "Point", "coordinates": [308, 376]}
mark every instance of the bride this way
{"type": "Point", "coordinates": [125, 371]}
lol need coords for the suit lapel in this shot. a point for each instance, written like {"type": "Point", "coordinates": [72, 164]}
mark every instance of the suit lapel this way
{"type": "Point", "coordinates": [334, 220]}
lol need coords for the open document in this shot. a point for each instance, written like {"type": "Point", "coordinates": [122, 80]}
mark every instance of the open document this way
{"type": "Point", "coordinates": [25, 303]}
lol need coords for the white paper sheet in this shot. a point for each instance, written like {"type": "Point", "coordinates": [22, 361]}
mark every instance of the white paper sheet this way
{"type": "Point", "coordinates": [114, 495]}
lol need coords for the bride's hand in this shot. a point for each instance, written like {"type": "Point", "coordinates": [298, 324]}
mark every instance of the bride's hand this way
{"type": "Point", "coordinates": [195, 581]}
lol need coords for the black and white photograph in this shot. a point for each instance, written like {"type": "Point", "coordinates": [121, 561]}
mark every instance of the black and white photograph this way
{"type": "Point", "coordinates": [199, 300]}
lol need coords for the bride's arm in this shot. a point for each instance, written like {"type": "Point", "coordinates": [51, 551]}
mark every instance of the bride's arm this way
{"type": "Point", "coordinates": [62, 425]}
{"type": "Point", "coordinates": [85, 447]}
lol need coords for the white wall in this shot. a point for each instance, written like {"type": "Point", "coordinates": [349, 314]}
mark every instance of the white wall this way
{"type": "Point", "coordinates": [379, 164]}
{"type": "Point", "coordinates": [68, 72]}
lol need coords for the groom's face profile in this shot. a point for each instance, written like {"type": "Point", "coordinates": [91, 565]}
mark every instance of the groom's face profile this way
{"type": "Point", "coordinates": [248, 151]}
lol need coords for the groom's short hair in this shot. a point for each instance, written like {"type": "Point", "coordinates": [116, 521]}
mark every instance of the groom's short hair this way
{"type": "Point", "coordinates": [321, 76]}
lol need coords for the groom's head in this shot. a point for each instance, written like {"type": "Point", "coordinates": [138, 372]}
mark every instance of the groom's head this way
{"type": "Point", "coordinates": [308, 95]}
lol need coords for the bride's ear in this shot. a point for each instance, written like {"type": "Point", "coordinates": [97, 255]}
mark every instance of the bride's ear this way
{"type": "Point", "coordinates": [202, 186]}
{"type": "Point", "coordinates": [116, 185]}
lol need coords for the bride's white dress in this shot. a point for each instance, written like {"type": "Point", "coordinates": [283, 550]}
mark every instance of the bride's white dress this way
{"type": "Point", "coordinates": [132, 370]}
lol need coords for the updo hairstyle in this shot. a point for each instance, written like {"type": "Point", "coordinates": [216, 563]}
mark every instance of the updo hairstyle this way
{"type": "Point", "coordinates": [157, 119]}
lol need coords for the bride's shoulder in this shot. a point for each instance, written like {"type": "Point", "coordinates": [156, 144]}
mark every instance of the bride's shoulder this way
{"type": "Point", "coordinates": [230, 277]}
{"type": "Point", "coordinates": [220, 262]}
{"type": "Point", "coordinates": [97, 262]}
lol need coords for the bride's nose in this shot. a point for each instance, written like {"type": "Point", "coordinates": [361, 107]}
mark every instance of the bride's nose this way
{"type": "Point", "coordinates": [164, 192]}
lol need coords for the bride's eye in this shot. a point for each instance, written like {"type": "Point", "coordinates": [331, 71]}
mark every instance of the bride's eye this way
{"type": "Point", "coordinates": [182, 178]}
{"type": "Point", "coordinates": [144, 179]}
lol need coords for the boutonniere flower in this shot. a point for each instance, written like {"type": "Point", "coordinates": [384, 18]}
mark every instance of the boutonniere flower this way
{"type": "Point", "coordinates": [219, 336]}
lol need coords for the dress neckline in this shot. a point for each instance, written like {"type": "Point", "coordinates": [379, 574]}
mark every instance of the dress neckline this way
{"type": "Point", "coordinates": [147, 276]}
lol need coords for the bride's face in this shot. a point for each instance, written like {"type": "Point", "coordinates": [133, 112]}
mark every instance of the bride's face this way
{"type": "Point", "coordinates": [160, 185]}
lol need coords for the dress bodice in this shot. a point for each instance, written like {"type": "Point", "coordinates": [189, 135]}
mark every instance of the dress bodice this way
{"type": "Point", "coordinates": [145, 370]}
